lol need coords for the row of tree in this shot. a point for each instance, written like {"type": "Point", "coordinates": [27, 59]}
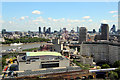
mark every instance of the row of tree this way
{"type": "Point", "coordinates": [24, 40]}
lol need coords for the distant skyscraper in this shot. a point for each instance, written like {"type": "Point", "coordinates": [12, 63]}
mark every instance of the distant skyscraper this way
{"type": "Point", "coordinates": [104, 32]}
{"type": "Point", "coordinates": [44, 29]}
{"type": "Point", "coordinates": [77, 29]}
{"type": "Point", "coordinates": [39, 30]}
{"type": "Point", "coordinates": [99, 30]}
{"type": "Point", "coordinates": [113, 29]}
{"type": "Point", "coordinates": [64, 29]}
{"type": "Point", "coordinates": [29, 32]}
{"type": "Point", "coordinates": [3, 31]}
{"type": "Point", "coordinates": [94, 31]}
{"type": "Point", "coordinates": [60, 30]}
{"type": "Point", "coordinates": [82, 34]}
{"type": "Point", "coordinates": [49, 30]}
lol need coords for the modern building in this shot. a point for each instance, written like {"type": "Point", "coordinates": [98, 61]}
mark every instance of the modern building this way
{"type": "Point", "coordinates": [82, 34]}
{"type": "Point", "coordinates": [101, 51]}
{"type": "Point", "coordinates": [94, 31]}
{"type": "Point", "coordinates": [114, 28]}
{"type": "Point", "coordinates": [3, 31]}
{"type": "Point", "coordinates": [39, 30]}
{"type": "Point", "coordinates": [49, 30]}
{"type": "Point", "coordinates": [37, 60]}
{"type": "Point", "coordinates": [104, 32]}
{"type": "Point", "coordinates": [44, 29]}
{"type": "Point", "coordinates": [77, 29]}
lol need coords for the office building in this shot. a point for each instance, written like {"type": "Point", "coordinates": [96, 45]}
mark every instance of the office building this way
{"type": "Point", "coordinates": [113, 29]}
{"type": "Point", "coordinates": [104, 32]}
{"type": "Point", "coordinates": [82, 34]}
{"type": "Point", "coordinates": [3, 31]}
{"type": "Point", "coordinates": [94, 31]}
{"type": "Point", "coordinates": [39, 30]}
{"type": "Point", "coordinates": [44, 29]}
{"type": "Point", "coordinates": [99, 30]}
{"type": "Point", "coordinates": [49, 30]}
{"type": "Point", "coordinates": [77, 29]}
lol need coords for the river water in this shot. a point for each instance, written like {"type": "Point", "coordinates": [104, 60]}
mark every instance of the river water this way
{"type": "Point", "coordinates": [24, 46]}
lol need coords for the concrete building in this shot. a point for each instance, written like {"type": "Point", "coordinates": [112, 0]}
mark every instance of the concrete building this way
{"type": "Point", "coordinates": [101, 51]}
{"type": "Point", "coordinates": [82, 34]}
{"type": "Point", "coordinates": [57, 45]}
{"type": "Point", "coordinates": [37, 60]}
{"type": "Point", "coordinates": [84, 60]}
{"type": "Point", "coordinates": [104, 32]}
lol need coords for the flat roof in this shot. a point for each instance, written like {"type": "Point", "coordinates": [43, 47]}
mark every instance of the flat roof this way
{"type": "Point", "coordinates": [97, 70]}
{"type": "Point", "coordinates": [42, 53]}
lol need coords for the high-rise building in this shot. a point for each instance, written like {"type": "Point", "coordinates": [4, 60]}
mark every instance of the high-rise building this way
{"type": "Point", "coordinates": [44, 29]}
{"type": "Point", "coordinates": [99, 30]}
{"type": "Point", "coordinates": [39, 30]}
{"type": "Point", "coordinates": [82, 34]}
{"type": "Point", "coordinates": [77, 29]}
{"type": "Point", "coordinates": [94, 31]}
{"type": "Point", "coordinates": [49, 30]}
{"type": "Point", "coordinates": [113, 29]}
{"type": "Point", "coordinates": [104, 32]}
{"type": "Point", "coordinates": [64, 29]}
{"type": "Point", "coordinates": [3, 31]}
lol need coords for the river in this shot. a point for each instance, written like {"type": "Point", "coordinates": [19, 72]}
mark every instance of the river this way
{"type": "Point", "coordinates": [24, 46]}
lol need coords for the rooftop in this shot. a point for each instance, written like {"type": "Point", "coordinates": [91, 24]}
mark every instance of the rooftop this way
{"type": "Point", "coordinates": [42, 53]}
{"type": "Point", "coordinates": [103, 42]}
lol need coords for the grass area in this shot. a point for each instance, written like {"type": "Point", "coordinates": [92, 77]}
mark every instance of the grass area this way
{"type": "Point", "coordinates": [31, 49]}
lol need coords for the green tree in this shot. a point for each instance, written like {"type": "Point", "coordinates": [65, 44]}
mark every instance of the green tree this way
{"type": "Point", "coordinates": [113, 75]}
{"type": "Point", "coordinates": [118, 71]}
{"type": "Point", "coordinates": [105, 66]}
{"type": "Point", "coordinates": [116, 64]}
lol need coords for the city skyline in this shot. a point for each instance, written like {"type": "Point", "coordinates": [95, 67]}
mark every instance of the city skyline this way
{"type": "Point", "coordinates": [24, 16]}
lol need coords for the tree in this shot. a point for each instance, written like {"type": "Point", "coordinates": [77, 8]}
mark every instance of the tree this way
{"type": "Point", "coordinates": [116, 64]}
{"type": "Point", "coordinates": [118, 72]}
{"type": "Point", "coordinates": [113, 75]}
{"type": "Point", "coordinates": [105, 66]}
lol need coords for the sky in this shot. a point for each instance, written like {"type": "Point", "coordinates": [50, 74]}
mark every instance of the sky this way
{"type": "Point", "coordinates": [24, 16]}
